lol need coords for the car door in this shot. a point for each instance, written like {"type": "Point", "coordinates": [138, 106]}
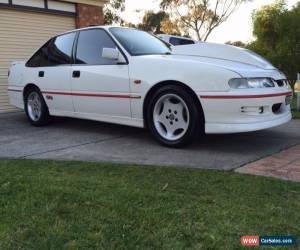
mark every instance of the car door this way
{"type": "Point", "coordinates": [54, 73]}
{"type": "Point", "coordinates": [100, 86]}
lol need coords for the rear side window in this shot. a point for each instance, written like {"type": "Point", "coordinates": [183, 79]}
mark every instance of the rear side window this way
{"type": "Point", "coordinates": [35, 60]}
{"type": "Point", "coordinates": [90, 47]}
{"type": "Point", "coordinates": [57, 51]}
{"type": "Point", "coordinates": [60, 50]}
{"type": "Point", "coordinates": [179, 41]}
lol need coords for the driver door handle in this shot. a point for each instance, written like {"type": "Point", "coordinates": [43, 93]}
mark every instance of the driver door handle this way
{"type": "Point", "coordinates": [76, 74]}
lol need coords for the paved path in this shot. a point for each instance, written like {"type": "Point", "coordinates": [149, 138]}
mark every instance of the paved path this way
{"type": "Point", "coordinates": [71, 139]}
{"type": "Point", "coordinates": [284, 165]}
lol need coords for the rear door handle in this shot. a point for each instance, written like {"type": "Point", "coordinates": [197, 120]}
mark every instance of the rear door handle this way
{"type": "Point", "coordinates": [41, 73]}
{"type": "Point", "coordinates": [76, 74]}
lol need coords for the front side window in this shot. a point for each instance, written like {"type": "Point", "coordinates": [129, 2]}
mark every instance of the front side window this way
{"type": "Point", "coordinates": [138, 42]}
{"type": "Point", "coordinates": [57, 51]}
{"type": "Point", "coordinates": [90, 47]}
{"type": "Point", "coordinates": [179, 41]}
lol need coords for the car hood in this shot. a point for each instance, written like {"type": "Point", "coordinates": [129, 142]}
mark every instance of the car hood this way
{"type": "Point", "coordinates": [225, 52]}
{"type": "Point", "coordinates": [243, 61]}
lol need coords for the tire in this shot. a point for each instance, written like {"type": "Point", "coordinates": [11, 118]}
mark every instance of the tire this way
{"type": "Point", "coordinates": [173, 117]}
{"type": "Point", "coordinates": [36, 108]}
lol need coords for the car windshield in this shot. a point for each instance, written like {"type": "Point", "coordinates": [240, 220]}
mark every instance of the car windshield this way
{"type": "Point", "coordinates": [138, 42]}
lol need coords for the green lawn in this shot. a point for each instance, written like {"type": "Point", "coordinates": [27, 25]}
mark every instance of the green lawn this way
{"type": "Point", "coordinates": [72, 205]}
{"type": "Point", "coordinates": [294, 105]}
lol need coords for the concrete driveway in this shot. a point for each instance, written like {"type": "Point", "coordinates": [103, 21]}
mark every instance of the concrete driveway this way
{"type": "Point", "coordinates": [71, 139]}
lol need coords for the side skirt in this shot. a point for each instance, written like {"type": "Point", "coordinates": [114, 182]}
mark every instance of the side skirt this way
{"type": "Point", "coordinates": [127, 121]}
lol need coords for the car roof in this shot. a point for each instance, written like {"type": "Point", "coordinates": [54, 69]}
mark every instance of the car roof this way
{"type": "Point", "coordinates": [106, 27]}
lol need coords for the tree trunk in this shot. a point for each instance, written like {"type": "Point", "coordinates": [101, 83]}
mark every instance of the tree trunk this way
{"type": "Point", "coordinates": [198, 35]}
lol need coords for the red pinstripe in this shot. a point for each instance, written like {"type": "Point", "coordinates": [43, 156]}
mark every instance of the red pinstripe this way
{"type": "Point", "coordinates": [14, 90]}
{"type": "Point", "coordinates": [244, 96]}
{"type": "Point", "coordinates": [124, 96]}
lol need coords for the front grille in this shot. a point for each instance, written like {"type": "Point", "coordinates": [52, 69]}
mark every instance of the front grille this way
{"type": "Point", "coordinates": [276, 108]}
{"type": "Point", "coordinates": [281, 83]}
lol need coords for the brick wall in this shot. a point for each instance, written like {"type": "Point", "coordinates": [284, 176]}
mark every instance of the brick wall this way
{"type": "Point", "coordinates": [88, 15]}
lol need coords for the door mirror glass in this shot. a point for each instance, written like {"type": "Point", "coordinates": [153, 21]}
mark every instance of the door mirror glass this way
{"type": "Point", "coordinates": [113, 54]}
{"type": "Point", "coordinates": [110, 53]}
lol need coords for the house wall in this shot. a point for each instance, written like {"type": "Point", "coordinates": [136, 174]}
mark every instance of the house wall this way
{"type": "Point", "coordinates": [26, 24]}
{"type": "Point", "coordinates": [87, 15]}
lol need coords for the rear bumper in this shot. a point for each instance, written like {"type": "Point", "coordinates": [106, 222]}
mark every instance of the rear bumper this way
{"type": "Point", "coordinates": [245, 111]}
{"type": "Point", "coordinates": [15, 95]}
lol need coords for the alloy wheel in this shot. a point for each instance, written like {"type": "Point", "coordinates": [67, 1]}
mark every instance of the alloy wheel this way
{"type": "Point", "coordinates": [34, 106]}
{"type": "Point", "coordinates": [171, 117]}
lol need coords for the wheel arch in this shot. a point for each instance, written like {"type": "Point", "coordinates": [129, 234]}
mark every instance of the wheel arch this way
{"type": "Point", "coordinates": [44, 117]}
{"type": "Point", "coordinates": [28, 87]}
{"type": "Point", "coordinates": [155, 87]}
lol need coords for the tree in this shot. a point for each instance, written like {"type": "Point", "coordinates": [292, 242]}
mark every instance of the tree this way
{"type": "Point", "coordinates": [169, 27]}
{"type": "Point", "coordinates": [237, 44]}
{"type": "Point", "coordinates": [152, 21]}
{"type": "Point", "coordinates": [277, 33]}
{"type": "Point", "coordinates": [158, 23]}
{"type": "Point", "coordinates": [200, 16]}
{"type": "Point", "coordinates": [111, 11]}
{"type": "Point", "coordinates": [267, 22]}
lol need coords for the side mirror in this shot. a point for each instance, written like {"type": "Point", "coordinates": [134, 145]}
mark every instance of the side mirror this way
{"type": "Point", "coordinates": [113, 54]}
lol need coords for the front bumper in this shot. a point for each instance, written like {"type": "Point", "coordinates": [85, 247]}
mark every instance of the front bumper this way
{"type": "Point", "coordinates": [245, 110]}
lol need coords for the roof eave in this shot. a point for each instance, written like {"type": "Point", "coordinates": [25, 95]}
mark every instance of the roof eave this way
{"type": "Point", "coordinates": [89, 2]}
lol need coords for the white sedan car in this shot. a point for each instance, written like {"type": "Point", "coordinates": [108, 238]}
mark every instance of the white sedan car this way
{"type": "Point", "coordinates": [130, 77]}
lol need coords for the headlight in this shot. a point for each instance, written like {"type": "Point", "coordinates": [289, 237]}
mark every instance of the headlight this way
{"type": "Point", "coordinates": [249, 83]}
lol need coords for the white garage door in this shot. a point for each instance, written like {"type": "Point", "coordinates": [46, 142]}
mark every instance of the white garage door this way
{"type": "Point", "coordinates": [21, 33]}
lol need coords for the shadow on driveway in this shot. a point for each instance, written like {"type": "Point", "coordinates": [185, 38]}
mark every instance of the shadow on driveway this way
{"type": "Point", "coordinates": [71, 139]}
